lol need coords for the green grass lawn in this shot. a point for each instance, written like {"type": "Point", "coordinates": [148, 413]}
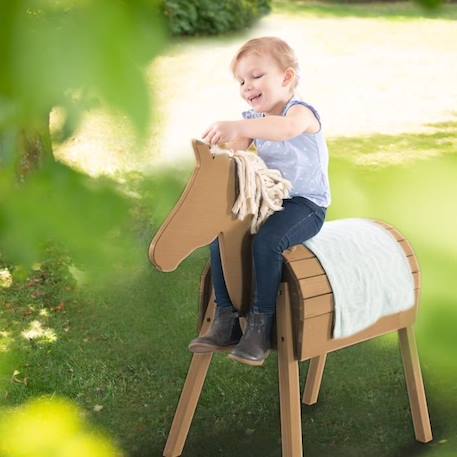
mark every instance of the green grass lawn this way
{"type": "Point", "coordinates": [123, 346]}
{"type": "Point", "coordinates": [119, 350]}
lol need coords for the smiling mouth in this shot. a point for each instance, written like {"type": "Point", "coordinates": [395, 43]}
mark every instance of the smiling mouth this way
{"type": "Point", "coordinates": [255, 98]}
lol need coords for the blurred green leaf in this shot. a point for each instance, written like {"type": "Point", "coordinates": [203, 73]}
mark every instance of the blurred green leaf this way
{"type": "Point", "coordinates": [51, 426]}
{"type": "Point", "coordinates": [71, 54]}
{"type": "Point", "coordinates": [52, 49]}
{"type": "Point", "coordinates": [89, 216]}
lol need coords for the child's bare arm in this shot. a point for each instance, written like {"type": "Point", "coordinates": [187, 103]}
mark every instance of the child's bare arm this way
{"type": "Point", "coordinates": [239, 145]}
{"type": "Point", "coordinates": [299, 119]}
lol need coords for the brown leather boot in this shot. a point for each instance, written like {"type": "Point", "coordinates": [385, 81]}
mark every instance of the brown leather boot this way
{"type": "Point", "coordinates": [224, 334]}
{"type": "Point", "coordinates": [255, 344]}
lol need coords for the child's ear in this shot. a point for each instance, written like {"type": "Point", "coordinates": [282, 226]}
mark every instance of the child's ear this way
{"type": "Point", "coordinates": [289, 76]}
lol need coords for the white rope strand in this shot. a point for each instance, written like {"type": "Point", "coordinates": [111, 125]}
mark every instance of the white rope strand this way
{"type": "Point", "coordinates": [261, 189]}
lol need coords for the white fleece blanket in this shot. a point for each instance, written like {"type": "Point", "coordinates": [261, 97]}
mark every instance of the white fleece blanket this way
{"type": "Point", "coordinates": [367, 269]}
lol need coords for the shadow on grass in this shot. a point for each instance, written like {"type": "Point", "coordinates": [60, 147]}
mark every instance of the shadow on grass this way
{"type": "Point", "coordinates": [361, 410]}
{"type": "Point", "coordinates": [363, 405]}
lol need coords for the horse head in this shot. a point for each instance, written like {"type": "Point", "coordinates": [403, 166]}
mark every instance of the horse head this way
{"type": "Point", "coordinates": [203, 213]}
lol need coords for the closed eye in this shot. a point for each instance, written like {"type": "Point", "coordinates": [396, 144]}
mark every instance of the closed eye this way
{"type": "Point", "coordinates": [254, 76]}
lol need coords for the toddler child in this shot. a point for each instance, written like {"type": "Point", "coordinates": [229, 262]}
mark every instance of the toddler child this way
{"type": "Point", "coordinates": [288, 137]}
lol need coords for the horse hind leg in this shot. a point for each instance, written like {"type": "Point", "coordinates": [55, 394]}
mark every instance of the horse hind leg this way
{"type": "Point", "coordinates": [415, 385]}
{"type": "Point", "coordinates": [314, 379]}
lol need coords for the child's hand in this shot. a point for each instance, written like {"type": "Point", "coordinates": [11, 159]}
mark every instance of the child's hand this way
{"type": "Point", "coordinates": [222, 132]}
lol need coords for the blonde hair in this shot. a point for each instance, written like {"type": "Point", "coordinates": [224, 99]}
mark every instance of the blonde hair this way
{"type": "Point", "coordinates": [281, 52]}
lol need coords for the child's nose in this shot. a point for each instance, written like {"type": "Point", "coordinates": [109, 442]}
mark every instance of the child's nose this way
{"type": "Point", "coordinates": [248, 86]}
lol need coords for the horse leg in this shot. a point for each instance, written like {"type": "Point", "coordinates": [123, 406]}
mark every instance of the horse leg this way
{"type": "Point", "coordinates": [289, 386]}
{"type": "Point", "coordinates": [314, 379]}
{"type": "Point", "coordinates": [415, 385]}
{"type": "Point", "coordinates": [190, 393]}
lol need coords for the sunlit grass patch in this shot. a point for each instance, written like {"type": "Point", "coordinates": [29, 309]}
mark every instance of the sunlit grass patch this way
{"type": "Point", "coordinates": [6, 280]}
{"type": "Point", "coordinates": [37, 332]}
{"type": "Point", "coordinates": [400, 11]}
{"type": "Point", "coordinates": [383, 150]}
{"type": "Point", "coordinates": [401, 62]}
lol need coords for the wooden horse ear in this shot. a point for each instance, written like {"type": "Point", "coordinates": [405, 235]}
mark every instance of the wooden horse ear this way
{"type": "Point", "coordinates": [202, 152]}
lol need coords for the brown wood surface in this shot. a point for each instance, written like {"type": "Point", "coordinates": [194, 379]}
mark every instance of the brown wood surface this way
{"type": "Point", "coordinates": [193, 224]}
{"type": "Point", "coordinates": [314, 379]}
{"type": "Point", "coordinates": [317, 335]}
{"type": "Point", "coordinates": [415, 385]}
{"type": "Point", "coordinates": [190, 394]}
{"type": "Point", "coordinates": [289, 385]}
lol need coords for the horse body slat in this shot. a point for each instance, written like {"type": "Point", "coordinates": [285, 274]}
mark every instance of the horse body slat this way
{"type": "Point", "coordinates": [298, 252]}
{"type": "Point", "coordinates": [406, 246]}
{"type": "Point", "coordinates": [308, 267]}
{"type": "Point", "coordinates": [322, 304]}
{"type": "Point", "coordinates": [315, 285]}
{"type": "Point", "coordinates": [317, 332]}
{"type": "Point", "coordinates": [413, 263]}
{"type": "Point", "coordinates": [396, 234]}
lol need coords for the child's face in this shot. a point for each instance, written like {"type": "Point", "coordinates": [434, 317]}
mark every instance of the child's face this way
{"type": "Point", "coordinates": [262, 83]}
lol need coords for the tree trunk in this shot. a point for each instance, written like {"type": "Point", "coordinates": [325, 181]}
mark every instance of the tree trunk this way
{"type": "Point", "coordinates": [34, 148]}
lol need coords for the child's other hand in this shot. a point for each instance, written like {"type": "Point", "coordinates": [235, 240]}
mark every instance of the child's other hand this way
{"type": "Point", "coordinates": [222, 132]}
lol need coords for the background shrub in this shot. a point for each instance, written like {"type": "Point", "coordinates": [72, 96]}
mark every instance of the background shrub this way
{"type": "Point", "coordinates": [207, 17]}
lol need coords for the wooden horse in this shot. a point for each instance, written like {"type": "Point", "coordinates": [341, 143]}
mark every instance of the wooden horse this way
{"type": "Point", "coordinates": [304, 309]}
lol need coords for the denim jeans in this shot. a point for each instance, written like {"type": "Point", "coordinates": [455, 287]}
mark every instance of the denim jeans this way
{"type": "Point", "coordinates": [300, 220]}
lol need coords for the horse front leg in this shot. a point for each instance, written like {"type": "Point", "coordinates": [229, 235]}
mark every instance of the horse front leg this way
{"type": "Point", "coordinates": [289, 386]}
{"type": "Point", "coordinates": [191, 392]}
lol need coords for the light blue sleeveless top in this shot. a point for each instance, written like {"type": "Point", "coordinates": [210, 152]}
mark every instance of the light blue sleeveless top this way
{"type": "Point", "coordinates": [303, 160]}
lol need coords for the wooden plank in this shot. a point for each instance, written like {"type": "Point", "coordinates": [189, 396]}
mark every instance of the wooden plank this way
{"type": "Point", "coordinates": [417, 280]}
{"type": "Point", "coordinates": [321, 304]}
{"type": "Point", "coordinates": [320, 285]}
{"type": "Point", "coordinates": [415, 385]}
{"type": "Point", "coordinates": [298, 252]}
{"type": "Point", "coordinates": [314, 379]}
{"type": "Point", "coordinates": [317, 332]}
{"type": "Point", "coordinates": [190, 393]}
{"type": "Point", "coordinates": [413, 263]}
{"type": "Point", "coordinates": [397, 235]}
{"type": "Point", "coordinates": [289, 385]}
{"type": "Point", "coordinates": [406, 246]}
{"type": "Point", "coordinates": [306, 268]}
{"type": "Point", "coordinates": [317, 285]}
